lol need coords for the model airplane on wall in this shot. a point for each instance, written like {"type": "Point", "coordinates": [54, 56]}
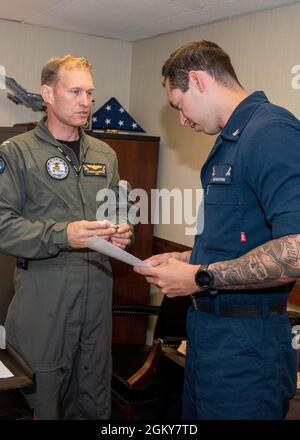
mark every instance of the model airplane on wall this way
{"type": "Point", "coordinates": [21, 96]}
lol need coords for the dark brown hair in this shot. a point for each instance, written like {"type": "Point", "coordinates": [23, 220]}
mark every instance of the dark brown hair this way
{"type": "Point", "coordinates": [198, 55]}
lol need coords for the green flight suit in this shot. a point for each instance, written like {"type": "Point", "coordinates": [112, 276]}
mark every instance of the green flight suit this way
{"type": "Point", "coordinates": [60, 317]}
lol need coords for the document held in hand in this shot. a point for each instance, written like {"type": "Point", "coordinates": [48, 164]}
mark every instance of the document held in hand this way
{"type": "Point", "coordinates": [109, 249]}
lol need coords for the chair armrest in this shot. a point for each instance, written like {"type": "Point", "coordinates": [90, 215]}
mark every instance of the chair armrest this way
{"type": "Point", "coordinates": [141, 377]}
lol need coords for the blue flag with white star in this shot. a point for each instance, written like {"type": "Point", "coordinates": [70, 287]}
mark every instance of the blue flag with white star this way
{"type": "Point", "coordinates": [112, 116]}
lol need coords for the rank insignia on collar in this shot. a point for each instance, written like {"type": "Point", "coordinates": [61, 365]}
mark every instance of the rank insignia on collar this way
{"type": "Point", "coordinates": [2, 165]}
{"type": "Point", "coordinates": [57, 168]}
{"type": "Point", "coordinates": [94, 169]}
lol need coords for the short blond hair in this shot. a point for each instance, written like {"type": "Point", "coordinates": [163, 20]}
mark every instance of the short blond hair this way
{"type": "Point", "coordinates": [51, 69]}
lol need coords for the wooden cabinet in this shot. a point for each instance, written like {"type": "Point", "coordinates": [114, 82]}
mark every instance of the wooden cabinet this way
{"type": "Point", "coordinates": [8, 132]}
{"type": "Point", "coordinates": [138, 159]}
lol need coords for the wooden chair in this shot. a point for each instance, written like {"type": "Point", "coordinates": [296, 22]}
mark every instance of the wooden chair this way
{"type": "Point", "coordinates": [13, 405]}
{"type": "Point", "coordinates": [136, 380]}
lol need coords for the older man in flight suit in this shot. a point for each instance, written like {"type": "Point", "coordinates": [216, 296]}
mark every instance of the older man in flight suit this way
{"type": "Point", "coordinates": [60, 317]}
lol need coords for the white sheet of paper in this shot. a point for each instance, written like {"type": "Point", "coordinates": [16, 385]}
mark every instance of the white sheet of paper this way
{"type": "Point", "coordinates": [109, 249]}
{"type": "Point", "coordinates": [4, 371]}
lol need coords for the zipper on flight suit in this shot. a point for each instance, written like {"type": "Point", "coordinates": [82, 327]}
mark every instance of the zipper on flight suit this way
{"type": "Point", "coordinates": [76, 161]}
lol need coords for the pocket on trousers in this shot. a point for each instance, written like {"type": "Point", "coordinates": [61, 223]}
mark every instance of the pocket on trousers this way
{"type": "Point", "coordinates": [288, 363]}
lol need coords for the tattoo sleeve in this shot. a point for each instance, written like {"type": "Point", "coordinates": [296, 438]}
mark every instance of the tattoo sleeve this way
{"type": "Point", "coordinates": [272, 264]}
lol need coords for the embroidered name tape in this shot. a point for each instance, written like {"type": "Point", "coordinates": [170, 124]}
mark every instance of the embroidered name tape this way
{"type": "Point", "coordinates": [221, 174]}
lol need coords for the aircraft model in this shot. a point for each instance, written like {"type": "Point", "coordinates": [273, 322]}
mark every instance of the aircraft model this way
{"type": "Point", "coordinates": [21, 96]}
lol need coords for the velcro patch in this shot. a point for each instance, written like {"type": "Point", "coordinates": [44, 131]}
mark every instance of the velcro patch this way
{"type": "Point", "coordinates": [221, 174]}
{"type": "Point", "coordinates": [94, 169]}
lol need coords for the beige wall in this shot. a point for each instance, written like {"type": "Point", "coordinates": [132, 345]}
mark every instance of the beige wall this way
{"type": "Point", "coordinates": [25, 48]}
{"type": "Point", "coordinates": [263, 48]}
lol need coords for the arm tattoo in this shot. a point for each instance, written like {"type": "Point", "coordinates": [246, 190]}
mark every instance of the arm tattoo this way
{"type": "Point", "coordinates": [272, 264]}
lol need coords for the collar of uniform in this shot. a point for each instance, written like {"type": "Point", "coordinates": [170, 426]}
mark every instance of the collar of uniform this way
{"type": "Point", "coordinates": [241, 115]}
{"type": "Point", "coordinates": [42, 131]}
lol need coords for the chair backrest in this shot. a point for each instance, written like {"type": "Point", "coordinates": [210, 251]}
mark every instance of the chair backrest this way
{"type": "Point", "coordinates": [7, 266]}
{"type": "Point", "coordinates": [172, 318]}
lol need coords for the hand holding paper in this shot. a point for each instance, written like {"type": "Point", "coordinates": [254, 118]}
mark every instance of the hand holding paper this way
{"type": "Point", "coordinates": [122, 236]}
{"type": "Point", "coordinates": [109, 249]}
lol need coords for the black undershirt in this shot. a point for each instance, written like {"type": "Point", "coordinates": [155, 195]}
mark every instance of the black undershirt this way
{"type": "Point", "coordinates": [74, 145]}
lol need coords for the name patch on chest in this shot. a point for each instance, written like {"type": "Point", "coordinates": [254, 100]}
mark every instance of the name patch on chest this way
{"type": "Point", "coordinates": [221, 174]}
{"type": "Point", "coordinates": [94, 169]}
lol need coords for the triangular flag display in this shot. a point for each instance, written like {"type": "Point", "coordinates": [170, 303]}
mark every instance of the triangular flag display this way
{"type": "Point", "coordinates": [113, 116]}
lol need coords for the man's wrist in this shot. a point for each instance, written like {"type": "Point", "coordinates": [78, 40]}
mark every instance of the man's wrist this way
{"type": "Point", "coordinates": [60, 236]}
{"type": "Point", "coordinates": [204, 279]}
{"type": "Point", "coordinates": [185, 256]}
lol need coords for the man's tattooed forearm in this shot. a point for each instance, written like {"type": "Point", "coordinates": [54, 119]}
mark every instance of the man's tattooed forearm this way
{"type": "Point", "coordinates": [274, 263]}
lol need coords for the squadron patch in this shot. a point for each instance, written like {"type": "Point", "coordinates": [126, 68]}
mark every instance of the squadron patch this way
{"type": "Point", "coordinates": [2, 165]}
{"type": "Point", "coordinates": [57, 168]}
{"type": "Point", "coordinates": [94, 169]}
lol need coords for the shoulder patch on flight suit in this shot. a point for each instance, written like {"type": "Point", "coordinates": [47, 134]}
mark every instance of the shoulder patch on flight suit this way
{"type": "Point", "coordinates": [57, 168]}
{"type": "Point", "coordinates": [2, 165]}
{"type": "Point", "coordinates": [221, 174]}
{"type": "Point", "coordinates": [94, 169]}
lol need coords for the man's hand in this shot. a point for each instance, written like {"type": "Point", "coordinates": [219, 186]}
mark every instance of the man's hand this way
{"type": "Point", "coordinates": [78, 232]}
{"type": "Point", "coordinates": [122, 236]}
{"type": "Point", "coordinates": [174, 277]}
{"type": "Point", "coordinates": [158, 259]}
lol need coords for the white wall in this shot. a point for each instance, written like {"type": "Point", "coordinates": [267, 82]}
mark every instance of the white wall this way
{"type": "Point", "coordinates": [263, 48]}
{"type": "Point", "coordinates": [25, 48]}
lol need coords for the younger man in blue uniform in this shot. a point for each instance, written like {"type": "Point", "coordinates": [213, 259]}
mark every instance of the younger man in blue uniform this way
{"type": "Point", "coordinates": [240, 361]}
